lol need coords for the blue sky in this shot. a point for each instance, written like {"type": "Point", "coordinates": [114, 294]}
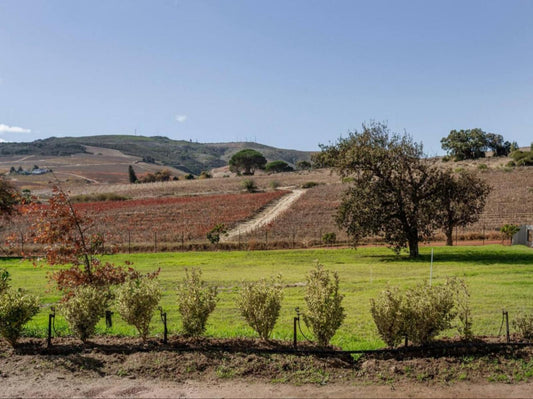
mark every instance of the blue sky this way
{"type": "Point", "coordinates": [290, 73]}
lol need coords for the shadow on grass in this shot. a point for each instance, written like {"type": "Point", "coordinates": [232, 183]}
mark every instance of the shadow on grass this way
{"type": "Point", "coordinates": [480, 257]}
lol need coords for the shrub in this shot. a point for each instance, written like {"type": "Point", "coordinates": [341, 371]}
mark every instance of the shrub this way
{"type": "Point", "coordinates": [427, 311]}
{"type": "Point", "coordinates": [386, 311]}
{"type": "Point", "coordinates": [278, 166]}
{"type": "Point", "coordinates": [329, 238]}
{"type": "Point", "coordinates": [213, 236]}
{"type": "Point", "coordinates": [83, 309]}
{"type": "Point", "coordinates": [4, 280]}
{"type": "Point", "coordinates": [196, 301]}
{"type": "Point", "coordinates": [102, 197]}
{"type": "Point", "coordinates": [249, 185]}
{"type": "Point", "coordinates": [482, 166]}
{"type": "Point", "coordinates": [205, 175]}
{"type": "Point", "coordinates": [324, 313]}
{"type": "Point", "coordinates": [189, 176]}
{"type": "Point", "coordinates": [524, 324]}
{"type": "Point", "coordinates": [16, 309]}
{"type": "Point", "coordinates": [462, 307]}
{"type": "Point", "coordinates": [508, 231]}
{"type": "Point", "coordinates": [136, 301]}
{"type": "Point", "coordinates": [422, 312]}
{"type": "Point", "coordinates": [309, 184]}
{"type": "Point", "coordinates": [260, 303]}
{"type": "Point", "coordinates": [304, 165]}
{"type": "Point", "coordinates": [274, 184]}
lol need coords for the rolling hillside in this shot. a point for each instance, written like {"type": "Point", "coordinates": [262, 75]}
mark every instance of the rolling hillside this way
{"type": "Point", "coordinates": [186, 156]}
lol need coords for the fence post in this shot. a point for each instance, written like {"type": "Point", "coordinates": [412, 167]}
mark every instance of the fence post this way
{"type": "Point", "coordinates": [21, 243]}
{"type": "Point", "coordinates": [294, 332]}
{"type": "Point", "coordinates": [51, 316]}
{"type": "Point", "coordinates": [506, 314]}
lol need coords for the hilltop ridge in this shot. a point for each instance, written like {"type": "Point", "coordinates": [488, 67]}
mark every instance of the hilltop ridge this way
{"type": "Point", "coordinates": [188, 156]}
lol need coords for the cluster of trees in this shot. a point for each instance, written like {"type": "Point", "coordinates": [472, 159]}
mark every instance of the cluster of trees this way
{"type": "Point", "coordinates": [398, 194]}
{"type": "Point", "coordinates": [472, 144]}
{"type": "Point", "coordinates": [160, 175]}
{"type": "Point", "coordinates": [247, 161]}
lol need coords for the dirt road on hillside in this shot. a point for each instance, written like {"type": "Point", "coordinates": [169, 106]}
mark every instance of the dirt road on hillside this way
{"type": "Point", "coordinates": [266, 216]}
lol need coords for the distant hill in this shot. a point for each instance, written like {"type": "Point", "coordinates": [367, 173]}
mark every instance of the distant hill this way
{"type": "Point", "coordinates": [187, 156]}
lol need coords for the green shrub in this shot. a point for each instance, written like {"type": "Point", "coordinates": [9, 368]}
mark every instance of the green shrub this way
{"type": "Point", "coordinates": [136, 301]}
{"type": "Point", "coordinates": [462, 307]}
{"type": "Point", "coordinates": [422, 312]}
{"type": "Point", "coordinates": [524, 324]}
{"type": "Point", "coordinates": [278, 167]}
{"type": "Point", "coordinates": [205, 175]}
{"type": "Point", "coordinates": [482, 166]}
{"type": "Point", "coordinates": [324, 313]}
{"type": "Point", "coordinates": [329, 238]}
{"type": "Point", "coordinates": [309, 184]}
{"type": "Point", "coordinates": [16, 309]}
{"type": "Point", "coordinates": [213, 235]}
{"type": "Point", "coordinates": [508, 231]}
{"type": "Point", "coordinates": [196, 301]}
{"type": "Point", "coordinates": [4, 280]}
{"type": "Point", "coordinates": [99, 197]}
{"type": "Point", "coordinates": [386, 311]}
{"type": "Point", "coordinates": [83, 309]}
{"type": "Point", "coordinates": [427, 311]}
{"type": "Point", "coordinates": [260, 303]}
{"type": "Point", "coordinates": [274, 184]}
{"type": "Point", "coordinates": [249, 185]}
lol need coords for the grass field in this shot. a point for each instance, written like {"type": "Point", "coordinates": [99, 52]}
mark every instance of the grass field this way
{"type": "Point", "coordinates": [498, 277]}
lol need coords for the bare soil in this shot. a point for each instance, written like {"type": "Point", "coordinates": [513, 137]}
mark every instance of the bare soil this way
{"type": "Point", "coordinates": [125, 367]}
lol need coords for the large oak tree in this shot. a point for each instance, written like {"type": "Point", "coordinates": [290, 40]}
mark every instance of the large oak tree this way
{"type": "Point", "coordinates": [393, 188]}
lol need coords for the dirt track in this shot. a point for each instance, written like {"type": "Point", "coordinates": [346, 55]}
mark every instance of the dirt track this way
{"type": "Point", "coordinates": [207, 367]}
{"type": "Point", "coordinates": [57, 386]}
{"type": "Point", "coordinates": [266, 216]}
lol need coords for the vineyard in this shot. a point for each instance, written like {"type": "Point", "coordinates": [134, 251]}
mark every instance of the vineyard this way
{"type": "Point", "coordinates": [155, 223]}
{"type": "Point", "coordinates": [176, 215]}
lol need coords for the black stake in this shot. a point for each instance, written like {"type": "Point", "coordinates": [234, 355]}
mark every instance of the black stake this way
{"type": "Point", "coordinates": [164, 320]}
{"type": "Point", "coordinates": [295, 334]}
{"type": "Point", "coordinates": [108, 320]}
{"type": "Point", "coordinates": [506, 314]}
{"type": "Point", "coordinates": [51, 316]}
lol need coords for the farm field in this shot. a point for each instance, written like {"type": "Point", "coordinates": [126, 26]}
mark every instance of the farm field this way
{"type": "Point", "coordinates": [498, 277]}
{"type": "Point", "coordinates": [162, 220]}
{"type": "Point", "coordinates": [183, 211]}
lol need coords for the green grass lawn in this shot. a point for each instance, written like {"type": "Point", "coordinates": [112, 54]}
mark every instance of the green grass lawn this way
{"type": "Point", "coordinates": [498, 277]}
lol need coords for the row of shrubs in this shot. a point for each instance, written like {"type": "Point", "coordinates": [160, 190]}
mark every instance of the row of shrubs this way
{"type": "Point", "coordinates": [417, 314]}
{"type": "Point", "coordinates": [137, 299]}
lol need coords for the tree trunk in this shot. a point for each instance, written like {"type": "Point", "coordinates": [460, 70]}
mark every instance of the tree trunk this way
{"type": "Point", "coordinates": [413, 246]}
{"type": "Point", "coordinates": [449, 235]}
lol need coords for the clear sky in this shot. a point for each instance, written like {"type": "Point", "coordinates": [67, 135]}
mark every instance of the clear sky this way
{"type": "Point", "coordinates": [287, 73]}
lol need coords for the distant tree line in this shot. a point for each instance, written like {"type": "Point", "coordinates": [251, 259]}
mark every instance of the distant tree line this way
{"type": "Point", "coordinates": [473, 143]}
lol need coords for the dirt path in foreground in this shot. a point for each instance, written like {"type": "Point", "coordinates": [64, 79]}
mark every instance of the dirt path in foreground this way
{"type": "Point", "coordinates": [265, 217]}
{"type": "Point", "coordinates": [56, 386]}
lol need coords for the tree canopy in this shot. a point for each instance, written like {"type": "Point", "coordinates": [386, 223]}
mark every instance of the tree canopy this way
{"type": "Point", "coordinates": [278, 167]}
{"type": "Point", "coordinates": [393, 188]}
{"type": "Point", "coordinates": [462, 198]}
{"type": "Point", "coordinates": [247, 161]}
{"type": "Point", "coordinates": [8, 198]}
{"type": "Point", "coordinates": [472, 144]}
{"type": "Point", "coordinates": [396, 193]}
